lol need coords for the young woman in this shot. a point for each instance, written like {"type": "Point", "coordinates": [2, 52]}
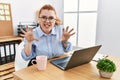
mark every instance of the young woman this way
{"type": "Point", "coordinates": [49, 39]}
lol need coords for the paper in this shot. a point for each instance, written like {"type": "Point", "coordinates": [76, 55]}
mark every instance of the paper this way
{"type": "Point", "coordinates": [99, 56]}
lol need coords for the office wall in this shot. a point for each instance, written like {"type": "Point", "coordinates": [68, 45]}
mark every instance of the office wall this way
{"type": "Point", "coordinates": [25, 10]}
{"type": "Point", "coordinates": [108, 26]}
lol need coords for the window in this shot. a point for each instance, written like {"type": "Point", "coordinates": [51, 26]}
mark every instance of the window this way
{"type": "Point", "coordinates": [82, 16]}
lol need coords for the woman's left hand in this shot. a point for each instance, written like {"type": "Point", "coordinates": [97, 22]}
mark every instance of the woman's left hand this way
{"type": "Point", "coordinates": [67, 34]}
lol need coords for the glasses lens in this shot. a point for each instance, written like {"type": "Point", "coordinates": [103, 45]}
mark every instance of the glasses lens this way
{"type": "Point", "coordinates": [51, 19]}
{"type": "Point", "coordinates": [44, 18]}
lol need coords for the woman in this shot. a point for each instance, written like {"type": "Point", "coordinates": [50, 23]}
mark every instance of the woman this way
{"type": "Point", "coordinates": [49, 38]}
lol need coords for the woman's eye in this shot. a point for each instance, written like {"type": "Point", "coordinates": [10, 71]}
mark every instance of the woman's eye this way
{"type": "Point", "coordinates": [51, 18]}
{"type": "Point", "coordinates": [44, 17]}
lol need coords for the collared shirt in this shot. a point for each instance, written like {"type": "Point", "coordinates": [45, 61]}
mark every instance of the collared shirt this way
{"type": "Point", "coordinates": [48, 44]}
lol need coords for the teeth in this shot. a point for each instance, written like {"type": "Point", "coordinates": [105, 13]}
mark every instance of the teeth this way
{"type": "Point", "coordinates": [46, 25]}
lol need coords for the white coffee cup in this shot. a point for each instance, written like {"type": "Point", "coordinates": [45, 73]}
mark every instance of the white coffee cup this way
{"type": "Point", "coordinates": [41, 62]}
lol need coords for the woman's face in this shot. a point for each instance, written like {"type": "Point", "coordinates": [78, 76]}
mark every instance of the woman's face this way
{"type": "Point", "coordinates": [47, 20]}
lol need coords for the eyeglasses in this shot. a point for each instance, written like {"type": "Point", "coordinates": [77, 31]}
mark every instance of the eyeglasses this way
{"type": "Point", "coordinates": [50, 19]}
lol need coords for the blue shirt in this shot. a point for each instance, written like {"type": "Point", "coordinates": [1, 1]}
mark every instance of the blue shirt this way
{"type": "Point", "coordinates": [48, 44]}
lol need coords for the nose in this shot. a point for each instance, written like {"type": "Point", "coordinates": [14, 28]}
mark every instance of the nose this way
{"type": "Point", "coordinates": [47, 20]}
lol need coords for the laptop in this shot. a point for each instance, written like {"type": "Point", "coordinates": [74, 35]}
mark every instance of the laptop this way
{"type": "Point", "coordinates": [79, 57]}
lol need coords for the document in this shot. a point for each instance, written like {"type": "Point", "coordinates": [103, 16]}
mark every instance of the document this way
{"type": "Point", "coordinates": [99, 56]}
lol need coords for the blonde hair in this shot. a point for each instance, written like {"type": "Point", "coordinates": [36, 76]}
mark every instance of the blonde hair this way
{"type": "Point", "coordinates": [49, 7]}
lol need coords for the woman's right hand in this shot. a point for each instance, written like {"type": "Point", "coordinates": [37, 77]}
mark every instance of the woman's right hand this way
{"type": "Point", "coordinates": [28, 34]}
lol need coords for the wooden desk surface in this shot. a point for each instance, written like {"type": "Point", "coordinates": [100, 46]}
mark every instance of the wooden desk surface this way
{"type": "Point", "coordinates": [10, 38]}
{"type": "Point", "coordinates": [83, 72]}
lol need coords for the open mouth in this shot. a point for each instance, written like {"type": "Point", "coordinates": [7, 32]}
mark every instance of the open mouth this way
{"type": "Point", "coordinates": [47, 25]}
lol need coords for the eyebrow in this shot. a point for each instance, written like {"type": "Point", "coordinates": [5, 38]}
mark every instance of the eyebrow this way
{"type": "Point", "coordinates": [46, 16]}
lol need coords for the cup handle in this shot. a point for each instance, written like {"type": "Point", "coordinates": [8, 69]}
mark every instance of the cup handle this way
{"type": "Point", "coordinates": [33, 61]}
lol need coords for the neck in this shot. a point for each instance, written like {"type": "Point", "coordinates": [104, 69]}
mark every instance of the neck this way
{"type": "Point", "coordinates": [46, 31]}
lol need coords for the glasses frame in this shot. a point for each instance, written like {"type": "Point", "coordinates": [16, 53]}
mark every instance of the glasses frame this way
{"type": "Point", "coordinates": [50, 19]}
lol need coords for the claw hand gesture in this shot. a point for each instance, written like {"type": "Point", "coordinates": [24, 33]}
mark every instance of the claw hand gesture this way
{"type": "Point", "coordinates": [28, 34]}
{"type": "Point", "coordinates": [67, 34]}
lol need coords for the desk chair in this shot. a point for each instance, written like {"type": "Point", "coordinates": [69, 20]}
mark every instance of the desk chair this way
{"type": "Point", "coordinates": [19, 61]}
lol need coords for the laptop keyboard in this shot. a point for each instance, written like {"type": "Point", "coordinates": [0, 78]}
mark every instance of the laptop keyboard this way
{"type": "Point", "coordinates": [63, 64]}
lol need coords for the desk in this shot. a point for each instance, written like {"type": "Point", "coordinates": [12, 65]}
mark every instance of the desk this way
{"type": "Point", "coordinates": [83, 72]}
